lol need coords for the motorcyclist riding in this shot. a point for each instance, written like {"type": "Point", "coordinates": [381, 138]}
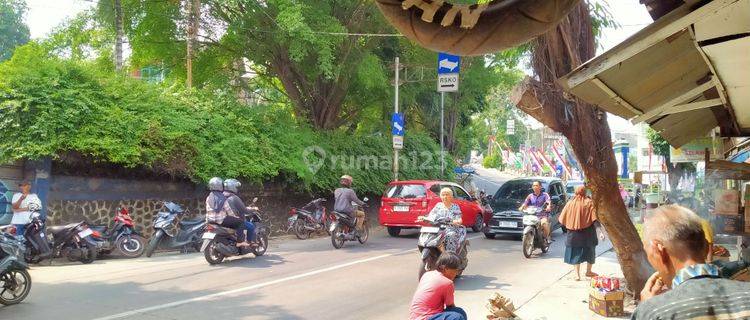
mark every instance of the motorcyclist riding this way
{"type": "Point", "coordinates": [539, 199]}
{"type": "Point", "coordinates": [231, 187]}
{"type": "Point", "coordinates": [345, 195]}
{"type": "Point", "coordinates": [448, 209]}
{"type": "Point", "coordinates": [218, 209]}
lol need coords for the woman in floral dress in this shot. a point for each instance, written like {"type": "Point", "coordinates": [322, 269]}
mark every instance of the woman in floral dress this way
{"type": "Point", "coordinates": [448, 209]}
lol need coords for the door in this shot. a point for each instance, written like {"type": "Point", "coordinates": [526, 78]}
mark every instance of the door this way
{"type": "Point", "coordinates": [468, 211]}
{"type": "Point", "coordinates": [558, 201]}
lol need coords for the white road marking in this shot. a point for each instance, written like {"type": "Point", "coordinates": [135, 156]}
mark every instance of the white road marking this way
{"type": "Point", "coordinates": [253, 287]}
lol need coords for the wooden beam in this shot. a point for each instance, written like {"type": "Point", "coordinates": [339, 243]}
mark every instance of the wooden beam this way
{"type": "Point", "coordinates": [727, 170]}
{"type": "Point", "coordinates": [614, 96]}
{"type": "Point", "coordinates": [659, 110]}
{"type": "Point", "coordinates": [694, 106]}
{"type": "Point", "coordinates": [652, 34]}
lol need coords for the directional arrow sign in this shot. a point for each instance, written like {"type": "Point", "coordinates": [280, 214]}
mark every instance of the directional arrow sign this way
{"type": "Point", "coordinates": [447, 82]}
{"type": "Point", "coordinates": [397, 121]}
{"type": "Point", "coordinates": [448, 63]}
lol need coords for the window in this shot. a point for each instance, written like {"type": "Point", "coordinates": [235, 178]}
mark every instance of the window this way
{"type": "Point", "coordinates": [459, 193]}
{"type": "Point", "coordinates": [515, 190]}
{"type": "Point", "coordinates": [406, 191]}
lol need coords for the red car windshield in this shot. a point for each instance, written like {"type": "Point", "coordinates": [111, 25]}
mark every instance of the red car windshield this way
{"type": "Point", "coordinates": [406, 191]}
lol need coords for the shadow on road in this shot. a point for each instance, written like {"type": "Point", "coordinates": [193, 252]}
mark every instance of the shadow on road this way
{"type": "Point", "coordinates": [115, 298]}
{"type": "Point", "coordinates": [475, 282]}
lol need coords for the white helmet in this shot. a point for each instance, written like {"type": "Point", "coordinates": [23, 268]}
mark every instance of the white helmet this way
{"type": "Point", "coordinates": [216, 184]}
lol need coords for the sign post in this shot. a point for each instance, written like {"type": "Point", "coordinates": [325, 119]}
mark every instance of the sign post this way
{"type": "Point", "coordinates": [395, 112]}
{"type": "Point", "coordinates": [448, 67]}
{"type": "Point", "coordinates": [510, 127]}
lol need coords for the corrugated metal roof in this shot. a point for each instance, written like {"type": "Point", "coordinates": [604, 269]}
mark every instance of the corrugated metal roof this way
{"type": "Point", "coordinates": [684, 74]}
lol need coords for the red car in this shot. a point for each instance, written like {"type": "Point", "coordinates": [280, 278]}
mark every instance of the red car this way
{"type": "Point", "coordinates": [404, 201]}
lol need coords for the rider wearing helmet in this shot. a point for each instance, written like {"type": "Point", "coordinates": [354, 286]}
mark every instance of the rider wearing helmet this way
{"type": "Point", "coordinates": [231, 188]}
{"type": "Point", "coordinates": [345, 195]}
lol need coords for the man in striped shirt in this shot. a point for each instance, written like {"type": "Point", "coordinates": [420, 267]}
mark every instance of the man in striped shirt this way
{"type": "Point", "coordinates": [685, 286]}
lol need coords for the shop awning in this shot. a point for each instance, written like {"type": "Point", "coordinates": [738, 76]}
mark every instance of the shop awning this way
{"type": "Point", "coordinates": [685, 74]}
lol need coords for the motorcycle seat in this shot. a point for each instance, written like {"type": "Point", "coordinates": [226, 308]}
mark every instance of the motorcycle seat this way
{"type": "Point", "coordinates": [192, 223]}
{"type": "Point", "coordinates": [100, 229]}
{"type": "Point", "coordinates": [58, 229]}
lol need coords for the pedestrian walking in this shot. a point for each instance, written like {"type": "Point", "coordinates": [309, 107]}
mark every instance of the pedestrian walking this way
{"type": "Point", "coordinates": [579, 217]}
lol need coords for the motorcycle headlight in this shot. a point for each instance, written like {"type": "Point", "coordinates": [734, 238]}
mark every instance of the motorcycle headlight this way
{"type": "Point", "coordinates": [530, 219]}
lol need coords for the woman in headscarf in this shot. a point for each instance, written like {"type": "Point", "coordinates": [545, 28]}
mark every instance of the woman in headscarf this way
{"type": "Point", "coordinates": [579, 218]}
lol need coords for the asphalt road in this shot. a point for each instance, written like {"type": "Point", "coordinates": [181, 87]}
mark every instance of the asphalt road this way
{"type": "Point", "coordinates": [294, 280]}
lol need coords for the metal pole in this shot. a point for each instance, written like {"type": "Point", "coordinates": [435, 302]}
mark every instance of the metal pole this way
{"type": "Point", "coordinates": [395, 108]}
{"type": "Point", "coordinates": [442, 135]}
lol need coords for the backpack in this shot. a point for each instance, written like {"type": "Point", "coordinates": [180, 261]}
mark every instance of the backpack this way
{"type": "Point", "coordinates": [217, 216]}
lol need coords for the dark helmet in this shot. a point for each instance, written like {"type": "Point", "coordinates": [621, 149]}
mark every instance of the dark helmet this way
{"type": "Point", "coordinates": [232, 185]}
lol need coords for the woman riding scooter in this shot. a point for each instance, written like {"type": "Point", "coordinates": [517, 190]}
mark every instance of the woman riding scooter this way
{"type": "Point", "coordinates": [448, 209]}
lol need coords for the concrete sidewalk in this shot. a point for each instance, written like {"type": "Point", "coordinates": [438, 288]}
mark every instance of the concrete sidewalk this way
{"type": "Point", "coordinates": [568, 299]}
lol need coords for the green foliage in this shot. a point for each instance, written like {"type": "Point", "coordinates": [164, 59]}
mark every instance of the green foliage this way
{"type": "Point", "coordinates": [494, 160]}
{"type": "Point", "coordinates": [13, 31]}
{"type": "Point", "coordinates": [661, 146]}
{"type": "Point", "coordinates": [52, 106]}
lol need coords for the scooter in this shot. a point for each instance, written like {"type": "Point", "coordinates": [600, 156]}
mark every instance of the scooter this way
{"type": "Point", "coordinates": [122, 237]}
{"type": "Point", "coordinates": [15, 280]}
{"type": "Point", "coordinates": [171, 232]}
{"type": "Point", "coordinates": [71, 241]}
{"type": "Point", "coordinates": [342, 230]}
{"type": "Point", "coordinates": [221, 242]}
{"type": "Point", "coordinates": [432, 243]}
{"type": "Point", "coordinates": [533, 236]}
{"type": "Point", "coordinates": [308, 219]}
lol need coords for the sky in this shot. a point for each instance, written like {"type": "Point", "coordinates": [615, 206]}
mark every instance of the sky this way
{"type": "Point", "coordinates": [45, 15]}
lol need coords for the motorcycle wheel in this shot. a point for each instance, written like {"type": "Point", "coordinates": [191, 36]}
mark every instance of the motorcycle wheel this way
{"type": "Point", "coordinates": [365, 234]}
{"type": "Point", "coordinates": [15, 284]}
{"type": "Point", "coordinates": [464, 260]}
{"type": "Point", "coordinates": [337, 242]}
{"type": "Point", "coordinates": [327, 220]}
{"type": "Point", "coordinates": [88, 255]}
{"type": "Point", "coordinates": [262, 245]}
{"type": "Point", "coordinates": [299, 230]}
{"type": "Point", "coordinates": [426, 265]}
{"type": "Point", "coordinates": [212, 255]}
{"type": "Point", "coordinates": [478, 224]}
{"type": "Point", "coordinates": [153, 243]}
{"type": "Point", "coordinates": [130, 246]}
{"type": "Point", "coordinates": [527, 245]}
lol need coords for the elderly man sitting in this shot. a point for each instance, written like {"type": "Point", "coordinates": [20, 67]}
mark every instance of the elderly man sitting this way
{"type": "Point", "coordinates": [684, 286]}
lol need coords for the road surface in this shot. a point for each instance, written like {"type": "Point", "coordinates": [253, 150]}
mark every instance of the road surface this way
{"type": "Point", "coordinates": [294, 280]}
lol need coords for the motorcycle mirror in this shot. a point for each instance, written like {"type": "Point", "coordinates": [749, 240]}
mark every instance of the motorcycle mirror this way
{"type": "Point", "coordinates": [365, 199]}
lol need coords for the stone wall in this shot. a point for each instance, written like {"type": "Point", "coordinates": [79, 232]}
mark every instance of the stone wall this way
{"type": "Point", "coordinates": [73, 199]}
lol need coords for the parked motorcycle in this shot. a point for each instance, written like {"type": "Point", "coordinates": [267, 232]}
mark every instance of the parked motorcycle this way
{"type": "Point", "coordinates": [122, 237]}
{"type": "Point", "coordinates": [432, 243]}
{"type": "Point", "coordinates": [15, 280]}
{"type": "Point", "coordinates": [310, 218]}
{"type": "Point", "coordinates": [172, 232]}
{"type": "Point", "coordinates": [533, 236]}
{"type": "Point", "coordinates": [70, 241]}
{"type": "Point", "coordinates": [342, 229]}
{"type": "Point", "coordinates": [73, 241]}
{"type": "Point", "coordinates": [221, 242]}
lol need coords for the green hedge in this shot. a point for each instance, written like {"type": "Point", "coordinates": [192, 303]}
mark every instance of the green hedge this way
{"type": "Point", "coordinates": [50, 106]}
{"type": "Point", "coordinates": [494, 160]}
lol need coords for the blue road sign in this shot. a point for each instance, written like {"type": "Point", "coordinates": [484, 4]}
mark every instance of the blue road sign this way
{"type": "Point", "coordinates": [397, 122]}
{"type": "Point", "coordinates": [448, 63]}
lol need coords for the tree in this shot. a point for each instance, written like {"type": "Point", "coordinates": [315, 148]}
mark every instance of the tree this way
{"type": "Point", "coordinates": [661, 148]}
{"type": "Point", "coordinates": [13, 31]}
{"type": "Point", "coordinates": [555, 54]}
{"type": "Point", "coordinates": [314, 48]}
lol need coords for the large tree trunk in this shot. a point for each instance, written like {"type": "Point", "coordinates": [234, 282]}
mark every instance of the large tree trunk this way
{"type": "Point", "coordinates": [119, 34]}
{"type": "Point", "coordinates": [555, 54]}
